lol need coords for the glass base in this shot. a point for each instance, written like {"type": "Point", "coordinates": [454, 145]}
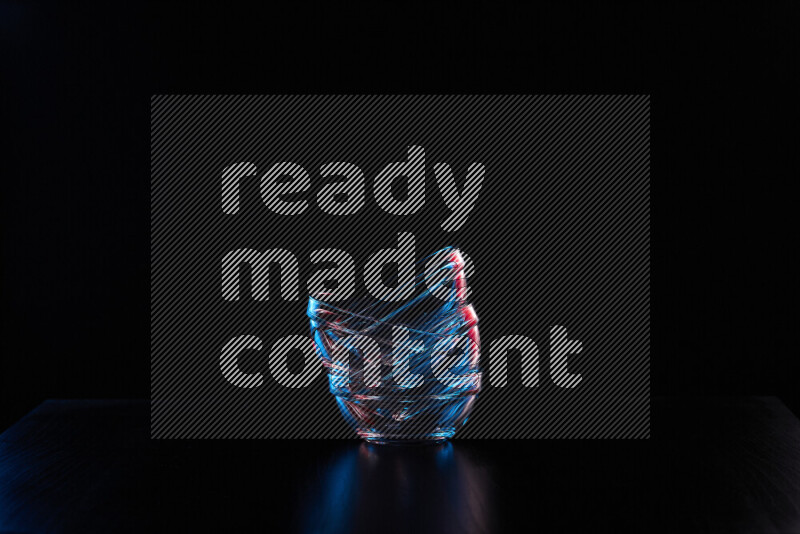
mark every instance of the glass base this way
{"type": "Point", "coordinates": [430, 439]}
{"type": "Point", "coordinates": [406, 420]}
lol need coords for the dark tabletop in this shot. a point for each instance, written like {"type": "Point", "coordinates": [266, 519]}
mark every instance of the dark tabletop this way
{"type": "Point", "coordinates": [712, 465]}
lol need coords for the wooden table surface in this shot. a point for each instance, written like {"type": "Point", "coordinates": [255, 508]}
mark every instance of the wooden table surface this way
{"type": "Point", "coordinates": [713, 465]}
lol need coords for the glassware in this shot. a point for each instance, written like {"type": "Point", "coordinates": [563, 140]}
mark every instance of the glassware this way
{"type": "Point", "coordinates": [404, 371]}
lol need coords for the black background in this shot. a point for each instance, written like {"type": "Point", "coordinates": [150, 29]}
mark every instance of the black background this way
{"type": "Point", "coordinates": [76, 82]}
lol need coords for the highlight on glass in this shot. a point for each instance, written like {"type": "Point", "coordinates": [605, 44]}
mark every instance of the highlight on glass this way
{"type": "Point", "coordinates": [407, 370]}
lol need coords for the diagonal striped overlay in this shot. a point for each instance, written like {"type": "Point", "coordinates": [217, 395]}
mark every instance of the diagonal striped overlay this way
{"type": "Point", "coordinates": [559, 235]}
